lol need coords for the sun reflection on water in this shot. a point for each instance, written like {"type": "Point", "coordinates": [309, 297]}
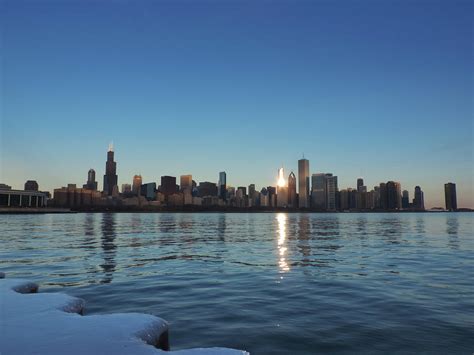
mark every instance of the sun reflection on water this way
{"type": "Point", "coordinates": [282, 263]}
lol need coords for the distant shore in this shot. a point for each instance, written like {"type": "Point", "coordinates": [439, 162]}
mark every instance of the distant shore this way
{"type": "Point", "coordinates": [194, 209]}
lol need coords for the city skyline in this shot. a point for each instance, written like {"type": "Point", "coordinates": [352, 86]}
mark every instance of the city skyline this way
{"type": "Point", "coordinates": [313, 183]}
{"type": "Point", "coordinates": [379, 90]}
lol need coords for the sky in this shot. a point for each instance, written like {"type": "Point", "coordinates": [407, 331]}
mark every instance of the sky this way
{"type": "Point", "coordinates": [378, 89]}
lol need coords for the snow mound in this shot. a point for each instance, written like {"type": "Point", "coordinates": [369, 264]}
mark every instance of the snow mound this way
{"type": "Point", "coordinates": [51, 323]}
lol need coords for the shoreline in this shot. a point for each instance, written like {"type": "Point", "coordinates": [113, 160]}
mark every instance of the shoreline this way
{"type": "Point", "coordinates": [52, 210]}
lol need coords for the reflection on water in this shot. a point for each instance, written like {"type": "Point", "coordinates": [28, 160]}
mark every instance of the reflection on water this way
{"type": "Point", "coordinates": [282, 249]}
{"type": "Point", "coordinates": [221, 226]}
{"type": "Point", "coordinates": [108, 246]}
{"type": "Point", "coordinates": [337, 283]}
{"type": "Point", "coordinates": [303, 238]}
{"type": "Point", "coordinates": [452, 229]}
{"type": "Point", "coordinates": [391, 228]}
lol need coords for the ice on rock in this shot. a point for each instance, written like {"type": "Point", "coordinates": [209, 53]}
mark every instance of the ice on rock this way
{"type": "Point", "coordinates": [50, 323]}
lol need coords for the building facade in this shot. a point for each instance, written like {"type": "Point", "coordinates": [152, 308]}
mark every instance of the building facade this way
{"type": "Point", "coordinates": [318, 192]}
{"type": "Point", "coordinates": [137, 185]}
{"type": "Point", "coordinates": [303, 183]}
{"type": "Point", "coordinates": [222, 185]}
{"type": "Point", "coordinates": [292, 196]}
{"type": "Point", "coordinates": [405, 200]}
{"type": "Point", "coordinates": [21, 198]}
{"type": "Point", "coordinates": [91, 183]}
{"type": "Point", "coordinates": [419, 200]}
{"type": "Point", "coordinates": [168, 185]}
{"type": "Point", "coordinates": [331, 192]}
{"type": "Point", "coordinates": [186, 182]}
{"type": "Point", "coordinates": [31, 185]}
{"type": "Point", "coordinates": [450, 196]}
{"type": "Point", "coordinates": [110, 177]}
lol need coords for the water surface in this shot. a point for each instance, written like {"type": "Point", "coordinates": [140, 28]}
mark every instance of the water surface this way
{"type": "Point", "coordinates": [270, 283]}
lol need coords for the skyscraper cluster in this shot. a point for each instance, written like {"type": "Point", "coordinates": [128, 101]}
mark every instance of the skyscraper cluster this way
{"type": "Point", "coordinates": [316, 192]}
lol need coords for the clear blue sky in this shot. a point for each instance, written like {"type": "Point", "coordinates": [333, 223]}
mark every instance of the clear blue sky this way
{"type": "Point", "coordinates": [382, 89]}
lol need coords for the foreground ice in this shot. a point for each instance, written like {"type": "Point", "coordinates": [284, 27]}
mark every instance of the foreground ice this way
{"type": "Point", "coordinates": [51, 323]}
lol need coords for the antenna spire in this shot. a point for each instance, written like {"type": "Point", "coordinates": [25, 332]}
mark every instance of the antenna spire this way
{"type": "Point", "coordinates": [111, 146]}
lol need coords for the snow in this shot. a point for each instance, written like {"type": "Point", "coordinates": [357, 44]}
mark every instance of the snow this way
{"type": "Point", "coordinates": [50, 323]}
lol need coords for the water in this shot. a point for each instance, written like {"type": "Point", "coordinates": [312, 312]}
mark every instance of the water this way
{"type": "Point", "coordinates": [268, 283]}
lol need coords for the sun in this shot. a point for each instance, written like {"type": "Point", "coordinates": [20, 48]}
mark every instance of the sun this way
{"type": "Point", "coordinates": [281, 180]}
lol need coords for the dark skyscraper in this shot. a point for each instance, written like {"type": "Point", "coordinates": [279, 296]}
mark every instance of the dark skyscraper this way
{"type": "Point", "coordinates": [91, 183]}
{"type": "Point", "coordinates": [360, 183]}
{"type": "Point", "coordinates": [405, 199]}
{"type": "Point", "coordinates": [450, 196]}
{"type": "Point", "coordinates": [271, 190]}
{"type": "Point", "coordinates": [331, 192]}
{"type": "Point", "coordinates": [383, 196]}
{"type": "Point", "coordinates": [110, 177]}
{"type": "Point", "coordinates": [207, 188]}
{"type": "Point", "coordinates": [418, 201]}
{"type": "Point", "coordinates": [148, 191]}
{"type": "Point", "coordinates": [303, 183]}
{"type": "Point", "coordinates": [319, 191]}
{"type": "Point", "coordinates": [168, 185]}
{"type": "Point", "coordinates": [394, 195]}
{"type": "Point", "coordinates": [222, 186]}
{"type": "Point", "coordinates": [292, 198]}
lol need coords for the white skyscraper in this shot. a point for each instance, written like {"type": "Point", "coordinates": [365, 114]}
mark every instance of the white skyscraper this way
{"type": "Point", "coordinates": [282, 190]}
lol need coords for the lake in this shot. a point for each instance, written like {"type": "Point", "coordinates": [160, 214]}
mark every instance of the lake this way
{"type": "Point", "coordinates": [269, 283]}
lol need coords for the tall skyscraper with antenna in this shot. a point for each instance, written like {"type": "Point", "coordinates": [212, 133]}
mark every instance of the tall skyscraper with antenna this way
{"type": "Point", "coordinates": [110, 177]}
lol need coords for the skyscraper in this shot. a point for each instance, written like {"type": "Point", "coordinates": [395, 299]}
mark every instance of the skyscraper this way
{"type": "Point", "coordinates": [292, 197]}
{"type": "Point", "coordinates": [243, 189]}
{"type": "Point", "coordinates": [168, 185]}
{"type": "Point", "coordinates": [394, 195]}
{"type": "Point", "coordinates": [110, 177]}
{"type": "Point", "coordinates": [419, 201]}
{"type": "Point", "coordinates": [344, 199]}
{"type": "Point", "coordinates": [91, 183]}
{"type": "Point", "coordinates": [186, 182]}
{"type": "Point", "coordinates": [253, 195]}
{"type": "Point", "coordinates": [405, 199]}
{"type": "Point", "coordinates": [303, 183]}
{"type": "Point", "coordinates": [450, 196]}
{"type": "Point", "coordinates": [331, 192]}
{"type": "Point", "coordinates": [383, 198]}
{"type": "Point", "coordinates": [282, 190]}
{"type": "Point", "coordinates": [222, 185]}
{"type": "Point", "coordinates": [207, 188]}
{"type": "Point", "coordinates": [148, 191]}
{"type": "Point", "coordinates": [360, 183]}
{"type": "Point", "coordinates": [318, 191]}
{"type": "Point", "coordinates": [252, 190]}
{"type": "Point", "coordinates": [136, 185]}
{"type": "Point", "coordinates": [271, 191]}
